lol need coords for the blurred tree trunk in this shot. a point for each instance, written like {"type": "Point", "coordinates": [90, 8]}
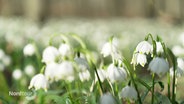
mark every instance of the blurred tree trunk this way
{"type": "Point", "coordinates": [181, 10]}
{"type": "Point", "coordinates": [6, 8]}
{"type": "Point", "coordinates": [151, 8]}
{"type": "Point", "coordinates": [36, 10]}
{"type": "Point", "coordinates": [119, 7]}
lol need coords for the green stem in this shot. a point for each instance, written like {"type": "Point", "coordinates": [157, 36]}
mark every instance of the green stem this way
{"type": "Point", "coordinates": [38, 56]}
{"type": "Point", "coordinates": [153, 88]}
{"type": "Point", "coordinates": [174, 84]}
{"type": "Point", "coordinates": [136, 88]}
{"type": "Point", "coordinates": [168, 85]}
{"type": "Point", "coordinates": [132, 75]}
{"type": "Point", "coordinates": [68, 88]}
{"type": "Point", "coordinates": [100, 83]}
{"type": "Point", "coordinates": [42, 69]}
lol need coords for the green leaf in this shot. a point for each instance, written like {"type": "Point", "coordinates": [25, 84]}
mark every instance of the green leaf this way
{"type": "Point", "coordinates": [78, 39]}
{"type": "Point", "coordinates": [154, 48]}
{"type": "Point", "coordinates": [161, 99]}
{"type": "Point", "coordinates": [161, 85]}
{"type": "Point", "coordinates": [172, 57]}
{"type": "Point", "coordinates": [144, 84]}
{"type": "Point", "coordinates": [4, 90]}
{"type": "Point", "coordinates": [144, 95]}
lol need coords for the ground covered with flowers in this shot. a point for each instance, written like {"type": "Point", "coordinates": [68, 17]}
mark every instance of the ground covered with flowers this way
{"type": "Point", "coordinates": [70, 61]}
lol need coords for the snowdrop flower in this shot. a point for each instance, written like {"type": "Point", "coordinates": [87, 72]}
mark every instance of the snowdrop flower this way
{"type": "Point", "coordinates": [116, 73]}
{"type": "Point", "coordinates": [107, 99]}
{"type": "Point", "coordinates": [159, 47]}
{"type": "Point", "coordinates": [65, 71]}
{"type": "Point", "coordinates": [29, 50]}
{"type": "Point", "coordinates": [6, 60]}
{"type": "Point", "coordinates": [178, 50]}
{"type": "Point", "coordinates": [129, 92]}
{"type": "Point", "coordinates": [17, 74]}
{"type": "Point", "coordinates": [159, 66]}
{"type": "Point", "coordinates": [1, 54]}
{"type": "Point", "coordinates": [84, 76]}
{"type": "Point", "coordinates": [139, 58]}
{"type": "Point", "coordinates": [180, 68]}
{"type": "Point", "coordinates": [108, 49]}
{"type": "Point", "coordinates": [39, 81]}
{"type": "Point", "coordinates": [82, 63]}
{"type": "Point", "coordinates": [51, 70]}
{"type": "Point", "coordinates": [144, 47]}
{"type": "Point", "coordinates": [102, 75]}
{"type": "Point", "coordinates": [29, 70]}
{"type": "Point", "coordinates": [65, 49]}
{"type": "Point", "coordinates": [50, 54]}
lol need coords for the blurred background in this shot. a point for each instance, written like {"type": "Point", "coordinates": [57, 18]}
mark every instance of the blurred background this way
{"type": "Point", "coordinates": [35, 21]}
{"type": "Point", "coordinates": [39, 10]}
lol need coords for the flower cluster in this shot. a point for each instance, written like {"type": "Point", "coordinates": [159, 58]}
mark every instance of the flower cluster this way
{"type": "Point", "coordinates": [60, 65]}
{"type": "Point", "coordinates": [68, 64]}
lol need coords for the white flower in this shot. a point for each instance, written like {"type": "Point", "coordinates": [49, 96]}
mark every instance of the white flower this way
{"type": "Point", "coordinates": [107, 99]}
{"type": "Point", "coordinates": [159, 66]}
{"type": "Point", "coordinates": [39, 81]}
{"type": "Point", "coordinates": [50, 54]}
{"type": "Point", "coordinates": [17, 74]}
{"type": "Point", "coordinates": [29, 70]}
{"type": "Point", "coordinates": [1, 54]}
{"type": "Point", "coordinates": [108, 49]}
{"type": "Point", "coordinates": [129, 92]}
{"type": "Point", "coordinates": [159, 47]}
{"type": "Point", "coordinates": [178, 50]}
{"type": "Point", "coordinates": [65, 71]}
{"type": "Point", "coordinates": [144, 47]}
{"type": "Point", "coordinates": [82, 64]}
{"type": "Point", "coordinates": [65, 49]}
{"type": "Point", "coordinates": [116, 73]}
{"type": "Point", "coordinates": [29, 50]}
{"type": "Point", "coordinates": [139, 58]}
{"type": "Point", "coordinates": [6, 60]}
{"type": "Point", "coordinates": [180, 68]}
{"type": "Point", "coordinates": [102, 75]}
{"type": "Point", "coordinates": [84, 76]}
{"type": "Point", "coordinates": [51, 71]}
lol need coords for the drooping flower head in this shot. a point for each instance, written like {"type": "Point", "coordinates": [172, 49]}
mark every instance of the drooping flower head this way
{"type": "Point", "coordinates": [39, 81]}
{"type": "Point", "coordinates": [110, 48]}
{"type": "Point", "coordinates": [107, 99]}
{"type": "Point", "coordinates": [81, 63]}
{"type": "Point", "coordinates": [84, 76]}
{"type": "Point", "coordinates": [65, 71]}
{"type": "Point", "coordinates": [129, 92]}
{"type": "Point", "coordinates": [180, 68]}
{"type": "Point", "coordinates": [17, 74]}
{"type": "Point", "coordinates": [50, 54]}
{"type": "Point", "coordinates": [102, 75]}
{"type": "Point", "coordinates": [159, 66]}
{"type": "Point", "coordinates": [159, 47]}
{"type": "Point", "coordinates": [29, 50]}
{"type": "Point", "coordinates": [51, 71]}
{"type": "Point", "coordinates": [139, 58]}
{"type": "Point", "coordinates": [29, 70]}
{"type": "Point", "coordinates": [65, 50]}
{"type": "Point", "coordinates": [144, 47]}
{"type": "Point", "coordinates": [116, 73]}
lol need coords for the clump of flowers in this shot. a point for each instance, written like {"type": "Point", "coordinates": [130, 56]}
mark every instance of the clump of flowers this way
{"type": "Point", "coordinates": [111, 79]}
